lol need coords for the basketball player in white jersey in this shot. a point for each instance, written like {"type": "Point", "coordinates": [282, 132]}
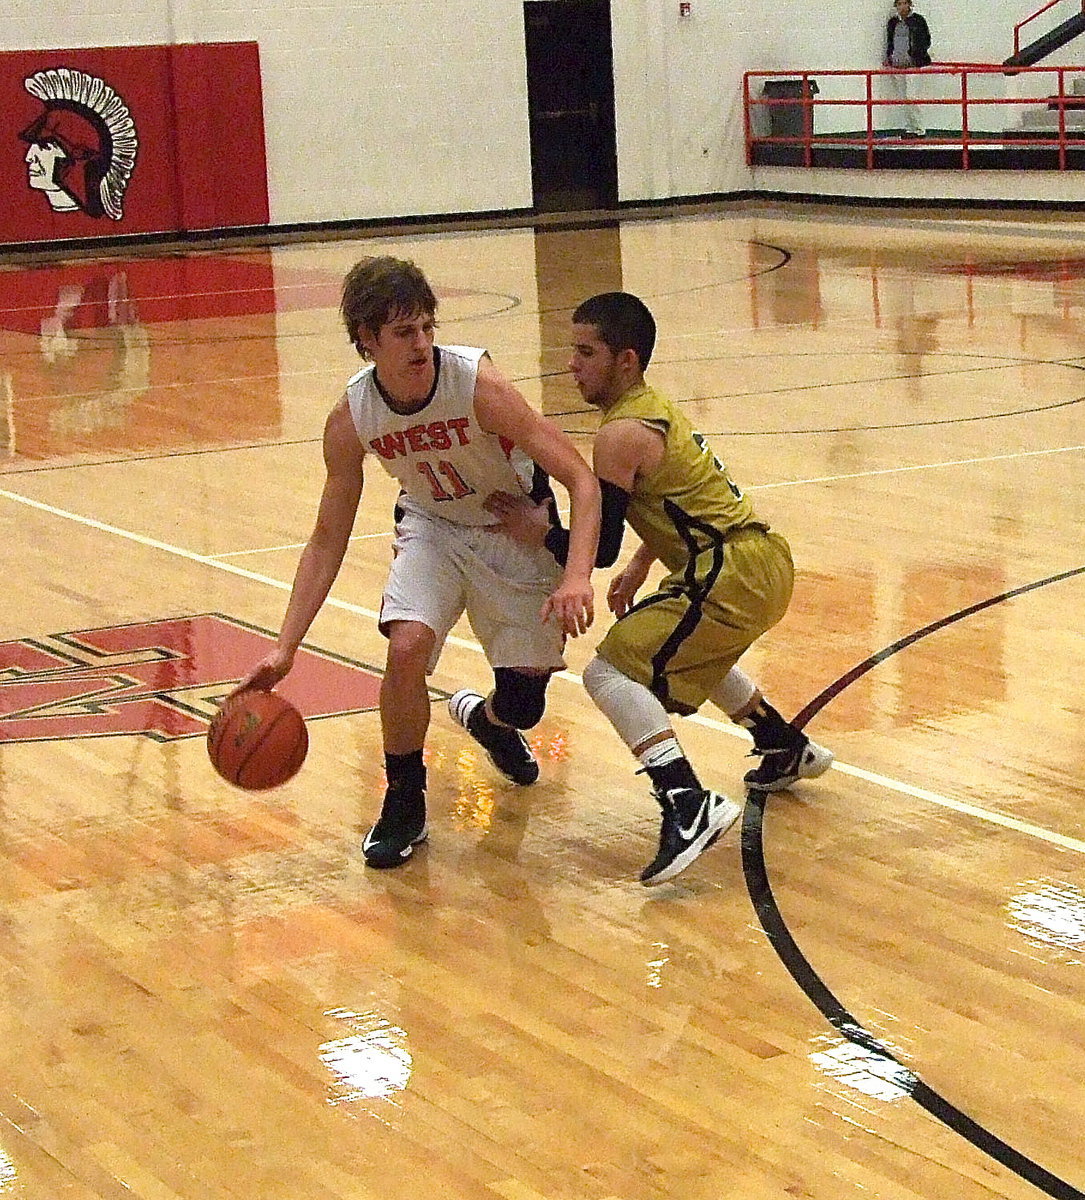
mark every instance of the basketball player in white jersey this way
{"type": "Point", "coordinates": [452, 430]}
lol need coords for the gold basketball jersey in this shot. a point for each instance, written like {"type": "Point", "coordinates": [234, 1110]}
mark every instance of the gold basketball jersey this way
{"type": "Point", "coordinates": [689, 504]}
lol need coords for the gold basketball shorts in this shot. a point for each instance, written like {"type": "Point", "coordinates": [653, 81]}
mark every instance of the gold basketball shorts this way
{"type": "Point", "coordinates": [681, 641]}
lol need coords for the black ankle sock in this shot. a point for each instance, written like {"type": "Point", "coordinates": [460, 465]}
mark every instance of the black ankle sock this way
{"type": "Point", "coordinates": [770, 731]}
{"type": "Point", "coordinates": [676, 774]}
{"type": "Point", "coordinates": [406, 773]}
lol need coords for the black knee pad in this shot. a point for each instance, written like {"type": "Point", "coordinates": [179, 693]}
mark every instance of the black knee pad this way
{"type": "Point", "coordinates": [519, 700]}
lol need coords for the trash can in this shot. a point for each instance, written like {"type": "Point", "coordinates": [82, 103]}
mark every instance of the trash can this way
{"type": "Point", "coordinates": [790, 120]}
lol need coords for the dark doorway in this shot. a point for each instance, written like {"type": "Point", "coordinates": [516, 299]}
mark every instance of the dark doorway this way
{"type": "Point", "coordinates": [571, 264]}
{"type": "Point", "coordinates": [570, 89]}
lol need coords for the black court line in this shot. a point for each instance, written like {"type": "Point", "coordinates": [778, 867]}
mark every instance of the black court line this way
{"type": "Point", "coordinates": [800, 969]}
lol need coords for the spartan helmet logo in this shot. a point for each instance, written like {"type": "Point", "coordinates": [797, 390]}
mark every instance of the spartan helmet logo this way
{"type": "Point", "coordinates": [82, 149]}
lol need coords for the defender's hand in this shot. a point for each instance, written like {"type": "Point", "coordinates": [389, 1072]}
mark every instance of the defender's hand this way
{"type": "Point", "coordinates": [623, 589]}
{"type": "Point", "coordinates": [519, 517]}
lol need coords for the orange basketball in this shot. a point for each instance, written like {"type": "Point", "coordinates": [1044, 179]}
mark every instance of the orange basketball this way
{"type": "Point", "coordinates": [257, 740]}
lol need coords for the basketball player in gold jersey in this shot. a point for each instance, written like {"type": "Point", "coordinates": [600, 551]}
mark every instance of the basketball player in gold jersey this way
{"type": "Point", "coordinates": [729, 580]}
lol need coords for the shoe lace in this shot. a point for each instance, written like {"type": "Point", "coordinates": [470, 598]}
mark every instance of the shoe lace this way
{"type": "Point", "coordinates": [670, 799]}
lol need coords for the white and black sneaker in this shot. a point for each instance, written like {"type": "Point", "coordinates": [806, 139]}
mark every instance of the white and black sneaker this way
{"type": "Point", "coordinates": [693, 819]}
{"type": "Point", "coordinates": [506, 747]}
{"type": "Point", "coordinates": [400, 827]}
{"type": "Point", "coordinates": [780, 768]}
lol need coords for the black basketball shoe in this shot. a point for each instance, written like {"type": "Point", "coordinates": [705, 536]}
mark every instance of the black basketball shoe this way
{"type": "Point", "coordinates": [693, 819]}
{"type": "Point", "coordinates": [781, 767]}
{"type": "Point", "coordinates": [506, 747]}
{"type": "Point", "coordinates": [400, 827]}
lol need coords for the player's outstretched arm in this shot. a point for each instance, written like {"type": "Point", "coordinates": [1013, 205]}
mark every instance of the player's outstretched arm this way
{"type": "Point", "coordinates": [323, 554]}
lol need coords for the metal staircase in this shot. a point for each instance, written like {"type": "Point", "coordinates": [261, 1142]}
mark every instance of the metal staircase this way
{"type": "Point", "coordinates": [1041, 47]}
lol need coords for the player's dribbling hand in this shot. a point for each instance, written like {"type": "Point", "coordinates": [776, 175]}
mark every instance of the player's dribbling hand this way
{"type": "Point", "coordinates": [267, 673]}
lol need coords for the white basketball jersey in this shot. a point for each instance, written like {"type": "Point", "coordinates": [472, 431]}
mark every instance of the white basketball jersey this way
{"type": "Point", "coordinates": [446, 463]}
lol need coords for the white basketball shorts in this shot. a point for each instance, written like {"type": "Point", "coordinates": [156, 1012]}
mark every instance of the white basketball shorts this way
{"type": "Point", "coordinates": [442, 570]}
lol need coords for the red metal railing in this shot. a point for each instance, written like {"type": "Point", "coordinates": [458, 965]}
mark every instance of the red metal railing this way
{"type": "Point", "coordinates": [1039, 12]}
{"type": "Point", "coordinates": [964, 107]}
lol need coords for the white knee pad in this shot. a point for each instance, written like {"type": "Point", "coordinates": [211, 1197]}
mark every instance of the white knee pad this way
{"type": "Point", "coordinates": [734, 692]}
{"type": "Point", "coordinates": [637, 716]}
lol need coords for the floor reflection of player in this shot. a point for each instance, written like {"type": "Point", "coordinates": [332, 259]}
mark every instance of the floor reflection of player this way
{"type": "Point", "coordinates": [498, 868]}
{"type": "Point", "coordinates": [102, 302]}
{"type": "Point", "coordinates": [92, 401]}
{"type": "Point", "coordinates": [55, 342]}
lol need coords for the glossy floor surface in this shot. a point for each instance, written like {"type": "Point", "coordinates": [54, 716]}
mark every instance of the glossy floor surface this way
{"type": "Point", "coordinates": [873, 990]}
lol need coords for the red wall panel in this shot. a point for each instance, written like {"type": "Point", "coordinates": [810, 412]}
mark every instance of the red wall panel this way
{"type": "Point", "coordinates": [191, 115]}
{"type": "Point", "coordinates": [220, 135]}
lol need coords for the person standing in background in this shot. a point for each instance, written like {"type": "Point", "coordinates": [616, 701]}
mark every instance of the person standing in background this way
{"type": "Point", "coordinates": [907, 45]}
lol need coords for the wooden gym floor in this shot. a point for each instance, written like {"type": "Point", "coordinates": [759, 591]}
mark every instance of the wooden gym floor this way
{"type": "Point", "coordinates": [874, 990]}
